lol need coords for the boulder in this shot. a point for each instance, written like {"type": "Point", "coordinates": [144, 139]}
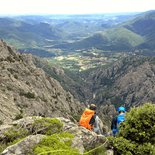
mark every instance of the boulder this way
{"type": "Point", "coordinates": [24, 146]}
{"type": "Point", "coordinates": [83, 139]}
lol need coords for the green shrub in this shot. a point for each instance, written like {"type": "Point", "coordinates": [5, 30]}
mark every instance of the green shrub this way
{"type": "Point", "coordinates": [75, 117]}
{"type": "Point", "coordinates": [1, 122]}
{"type": "Point", "coordinates": [122, 145]}
{"type": "Point", "coordinates": [12, 136]}
{"type": "Point", "coordinates": [137, 135]}
{"type": "Point", "coordinates": [28, 94]}
{"type": "Point", "coordinates": [18, 116]}
{"type": "Point", "coordinates": [16, 76]}
{"type": "Point", "coordinates": [57, 144]}
{"type": "Point", "coordinates": [9, 88]}
{"type": "Point", "coordinates": [47, 126]}
{"type": "Point", "coordinates": [2, 146]}
{"type": "Point", "coordinates": [140, 124]}
{"type": "Point", "coordinates": [15, 133]}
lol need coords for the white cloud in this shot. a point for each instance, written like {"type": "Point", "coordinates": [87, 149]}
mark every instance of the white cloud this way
{"type": "Point", "coordinates": [73, 6]}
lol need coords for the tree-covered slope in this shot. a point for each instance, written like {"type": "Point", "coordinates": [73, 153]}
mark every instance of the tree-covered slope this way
{"type": "Point", "coordinates": [23, 34]}
{"type": "Point", "coordinates": [137, 33]}
{"type": "Point", "coordinates": [116, 39]}
{"type": "Point", "coordinates": [144, 25]}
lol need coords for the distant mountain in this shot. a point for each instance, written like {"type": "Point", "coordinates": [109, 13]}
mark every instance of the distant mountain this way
{"type": "Point", "coordinates": [82, 26]}
{"type": "Point", "coordinates": [39, 35]}
{"type": "Point", "coordinates": [43, 32]}
{"type": "Point", "coordinates": [22, 34]}
{"type": "Point", "coordinates": [115, 39]}
{"type": "Point", "coordinates": [137, 33]}
{"type": "Point", "coordinates": [144, 25]}
{"type": "Point", "coordinates": [26, 90]}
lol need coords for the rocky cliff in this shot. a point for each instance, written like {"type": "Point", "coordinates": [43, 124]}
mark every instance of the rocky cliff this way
{"type": "Point", "coordinates": [26, 90]}
{"type": "Point", "coordinates": [129, 82]}
{"type": "Point", "coordinates": [70, 81]}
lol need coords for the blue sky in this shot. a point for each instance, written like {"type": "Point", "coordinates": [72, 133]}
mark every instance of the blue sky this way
{"type": "Point", "coordinates": [11, 7]}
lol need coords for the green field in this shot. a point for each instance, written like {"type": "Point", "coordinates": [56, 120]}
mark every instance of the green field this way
{"type": "Point", "coordinates": [85, 60]}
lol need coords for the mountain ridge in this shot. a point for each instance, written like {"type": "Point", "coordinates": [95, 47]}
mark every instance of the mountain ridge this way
{"type": "Point", "coordinates": [129, 82]}
{"type": "Point", "coordinates": [137, 33]}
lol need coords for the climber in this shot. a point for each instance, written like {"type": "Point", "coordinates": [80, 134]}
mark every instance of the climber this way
{"type": "Point", "coordinates": [117, 120]}
{"type": "Point", "coordinates": [90, 120]}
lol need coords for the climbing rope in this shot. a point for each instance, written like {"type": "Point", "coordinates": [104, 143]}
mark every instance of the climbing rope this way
{"type": "Point", "coordinates": [54, 151]}
{"type": "Point", "coordinates": [96, 147]}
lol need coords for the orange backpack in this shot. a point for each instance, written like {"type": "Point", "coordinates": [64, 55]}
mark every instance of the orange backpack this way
{"type": "Point", "coordinates": [85, 118]}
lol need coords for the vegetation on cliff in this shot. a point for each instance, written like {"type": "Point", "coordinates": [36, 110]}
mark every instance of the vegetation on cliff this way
{"type": "Point", "coordinates": [137, 133]}
{"type": "Point", "coordinates": [55, 138]}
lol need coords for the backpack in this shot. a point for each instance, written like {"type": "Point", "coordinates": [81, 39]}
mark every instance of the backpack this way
{"type": "Point", "coordinates": [120, 119]}
{"type": "Point", "coordinates": [85, 119]}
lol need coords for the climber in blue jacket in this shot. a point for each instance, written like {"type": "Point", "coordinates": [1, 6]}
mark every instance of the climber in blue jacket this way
{"type": "Point", "coordinates": [117, 120]}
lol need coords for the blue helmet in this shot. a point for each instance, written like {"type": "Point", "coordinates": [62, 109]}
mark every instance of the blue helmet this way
{"type": "Point", "coordinates": [121, 109]}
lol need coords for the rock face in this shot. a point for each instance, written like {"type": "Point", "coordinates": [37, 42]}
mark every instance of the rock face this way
{"type": "Point", "coordinates": [129, 82]}
{"type": "Point", "coordinates": [89, 138]}
{"type": "Point", "coordinates": [83, 138]}
{"type": "Point", "coordinates": [23, 147]}
{"type": "Point", "coordinates": [71, 82]}
{"type": "Point", "coordinates": [26, 90]}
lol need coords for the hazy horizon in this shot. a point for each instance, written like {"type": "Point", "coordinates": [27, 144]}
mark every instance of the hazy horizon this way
{"type": "Point", "coordinates": [68, 7]}
{"type": "Point", "coordinates": [74, 14]}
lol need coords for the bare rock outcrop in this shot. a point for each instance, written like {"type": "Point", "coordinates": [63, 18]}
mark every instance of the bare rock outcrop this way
{"type": "Point", "coordinates": [83, 139]}
{"type": "Point", "coordinates": [26, 90]}
{"type": "Point", "coordinates": [24, 146]}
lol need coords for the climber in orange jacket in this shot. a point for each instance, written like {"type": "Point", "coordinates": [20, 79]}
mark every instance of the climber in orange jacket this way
{"type": "Point", "coordinates": [88, 117]}
{"type": "Point", "coordinates": [90, 120]}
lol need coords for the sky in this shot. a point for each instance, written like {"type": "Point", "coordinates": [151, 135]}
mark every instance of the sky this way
{"type": "Point", "coordinates": [28, 7]}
